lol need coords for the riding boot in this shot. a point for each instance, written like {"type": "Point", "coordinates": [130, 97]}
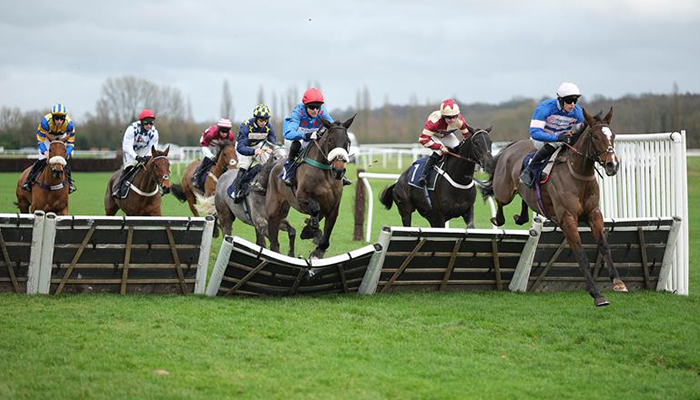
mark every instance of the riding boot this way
{"type": "Point", "coordinates": [31, 177]}
{"type": "Point", "coordinates": [202, 168]}
{"type": "Point", "coordinates": [346, 181]}
{"type": "Point", "coordinates": [528, 175]}
{"type": "Point", "coordinates": [290, 164]}
{"type": "Point", "coordinates": [69, 177]}
{"type": "Point", "coordinates": [124, 182]}
{"type": "Point", "coordinates": [237, 192]}
{"type": "Point", "coordinates": [423, 181]}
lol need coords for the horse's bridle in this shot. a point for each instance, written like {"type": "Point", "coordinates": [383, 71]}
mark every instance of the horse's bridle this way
{"type": "Point", "coordinates": [589, 141]}
{"type": "Point", "coordinates": [471, 147]}
{"type": "Point", "coordinates": [323, 153]}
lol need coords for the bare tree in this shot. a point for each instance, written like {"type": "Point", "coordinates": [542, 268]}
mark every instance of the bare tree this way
{"type": "Point", "coordinates": [121, 99]}
{"type": "Point", "coordinates": [227, 101]}
{"type": "Point", "coordinates": [261, 95]}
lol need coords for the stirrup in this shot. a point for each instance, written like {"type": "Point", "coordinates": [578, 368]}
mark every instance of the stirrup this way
{"type": "Point", "coordinates": [346, 181]}
{"type": "Point", "coordinates": [27, 187]}
{"type": "Point", "coordinates": [527, 177]}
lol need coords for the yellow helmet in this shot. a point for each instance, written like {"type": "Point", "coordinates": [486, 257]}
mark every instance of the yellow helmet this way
{"type": "Point", "coordinates": [261, 111]}
{"type": "Point", "coordinates": [59, 109]}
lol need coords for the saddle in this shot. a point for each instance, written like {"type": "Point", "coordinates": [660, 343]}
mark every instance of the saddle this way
{"type": "Point", "coordinates": [538, 170]}
{"type": "Point", "coordinates": [246, 180]}
{"type": "Point", "coordinates": [121, 189]}
{"type": "Point", "coordinates": [417, 170]}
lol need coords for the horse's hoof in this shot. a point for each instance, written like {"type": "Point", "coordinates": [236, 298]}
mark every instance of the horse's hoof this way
{"type": "Point", "coordinates": [619, 286]}
{"type": "Point", "coordinates": [494, 221]}
{"type": "Point", "coordinates": [601, 301]}
{"type": "Point", "coordinates": [520, 221]}
{"type": "Point", "coordinates": [308, 232]}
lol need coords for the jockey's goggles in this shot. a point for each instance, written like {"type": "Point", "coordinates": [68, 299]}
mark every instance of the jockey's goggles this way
{"type": "Point", "coordinates": [224, 130]}
{"type": "Point", "coordinates": [59, 117]}
{"type": "Point", "coordinates": [148, 122]}
{"type": "Point", "coordinates": [570, 99]}
{"type": "Point", "coordinates": [313, 106]}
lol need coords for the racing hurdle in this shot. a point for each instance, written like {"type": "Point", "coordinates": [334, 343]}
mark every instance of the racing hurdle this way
{"type": "Point", "coordinates": [45, 253]}
{"type": "Point", "coordinates": [20, 243]}
{"type": "Point", "coordinates": [244, 268]}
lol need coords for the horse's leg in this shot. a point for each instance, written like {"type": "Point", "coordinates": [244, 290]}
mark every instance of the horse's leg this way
{"type": "Point", "coordinates": [437, 221]}
{"type": "Point", "coordinates": [191, 201]}
{"type": "Point", "coordinates": [499, 219]}
{"type": "Point", "coordinates": [274, 219]}
{"type": "Point", "coordinates": [320, 250]}
{"type": "Point", "coordinates": [469, 217]}
{"type": "Point", "coordinates": [595, 220]}
{"type": "Point", "coordinates": [291, 233]}
{"type": "Point", "coordinates": [569, 227]}
{"type": "Point", "coordinates": [524, 214]}
{"type": "Point", "coordinates": [313, 209]}
{"type": "Point", "coordinates": [225, 217]}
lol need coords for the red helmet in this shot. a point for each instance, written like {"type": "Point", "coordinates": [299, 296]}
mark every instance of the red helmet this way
{"type": "Point", "coordinates": [146, 113]}
{"type": "Point", "coordinates": [312, 95]}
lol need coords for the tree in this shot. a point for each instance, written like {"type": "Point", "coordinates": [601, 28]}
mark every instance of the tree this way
{"type": "Point", "coordinates": [226, 101]}
{"type": "Point", "coordinates": [261, 95]}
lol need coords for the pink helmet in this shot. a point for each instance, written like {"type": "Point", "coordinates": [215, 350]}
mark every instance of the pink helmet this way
{"type": "Point", "coordinates": [449, 108]}
{"type": "Point", "coordinates": [224, 123]}
{"type": "Point", "coordinates": [312, 95]}
{"type": "Point", "coordinates": [146, 113]}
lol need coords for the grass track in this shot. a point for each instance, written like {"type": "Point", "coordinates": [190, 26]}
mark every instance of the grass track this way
{"type": "Point", "coordinates": [416, 346]}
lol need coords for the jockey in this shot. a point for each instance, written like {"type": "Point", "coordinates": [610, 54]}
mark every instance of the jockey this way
{"type": "Point", "coordinates": [53, 126]}
{"type": "Point", "coordinates": [302, 126]}
{"type": "Point", "coordinates": [139, 137]}
{"type": "Point", "coordinates": [553, 123]}
{"type": "Point", "coordinates": [439, 133]}
{"type": "Point", "coordinates": [251, 138]}
{"type": "Point", "coordinates": [213, 140]}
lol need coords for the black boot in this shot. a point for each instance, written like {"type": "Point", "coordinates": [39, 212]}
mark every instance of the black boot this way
{"type": "Point", "coordinates": [237, 192]}
{"type": "Point", "coordinates": [202, 168]}
{"type": "Point", "coordinates": [290, 164]}
{"type": "Point", "coordinates": [528, 175]}
{"type": "Point", "coordinates": [69, 178]}
{"type": "Point", "coordinates": [124, 182]}
{"type": "Point", "coordinates": [346, 181]}
{"type": "Point", "coordinates": [423, 181]}
{"type": "Point", "coordinates": [31, 177]}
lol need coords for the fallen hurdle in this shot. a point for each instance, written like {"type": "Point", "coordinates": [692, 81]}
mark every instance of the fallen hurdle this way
{"type": "Point", "coordinates": [244, 268]}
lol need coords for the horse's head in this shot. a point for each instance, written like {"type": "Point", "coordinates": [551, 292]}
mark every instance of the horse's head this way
{"type": "Point", "coordinates": [277, 153]}
{"type": "Point", "coordinates": [477, 147]}
{"type": "Point", "coordinates": [57, 157]}
{"type": "Point", "coordinates": [602, 142]}
{"type": "Point", "coordinates": [227, 157]}
{"type": "Point", "coordinates": [159, 168]}
{"type": "Point", "coordinates": [335, 144]}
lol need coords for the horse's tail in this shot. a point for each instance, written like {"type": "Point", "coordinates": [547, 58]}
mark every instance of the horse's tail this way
{"type": "Point", "coordinates": [387, 196]}
{"type": "Point", "coordinates": [177, 191]}
{"type": "Point", "coordinates": [205, 205]}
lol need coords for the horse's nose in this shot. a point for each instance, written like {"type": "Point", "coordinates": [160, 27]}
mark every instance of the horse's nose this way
{"type": "Point", "coordinates": [611, 167]}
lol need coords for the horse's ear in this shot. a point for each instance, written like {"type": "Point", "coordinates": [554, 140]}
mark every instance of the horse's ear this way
{"type": "Point", "coordinates": [167, 149]}
{"type": "Point", "coordinates": [347, 123]}
{"type": "Point", "coordinates": [608, 117]}
{"type": "Point", "coordinates": [588, 118]}
{"type": "Point", "coordinates": [325, 123]}
{"type": "Point", "coordinates": [471, 130]}
{"type": "Point", "coordinates": [154, 152]}
{"type": "Point", "coordinates": [489, 129]}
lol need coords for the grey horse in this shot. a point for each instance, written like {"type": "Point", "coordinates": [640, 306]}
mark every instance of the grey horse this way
{"type": "Point", "coordinates": [252, 210]}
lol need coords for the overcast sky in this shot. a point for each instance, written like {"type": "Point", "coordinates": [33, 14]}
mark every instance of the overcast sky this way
{"type": "Point", "coordinates": [488, 51]}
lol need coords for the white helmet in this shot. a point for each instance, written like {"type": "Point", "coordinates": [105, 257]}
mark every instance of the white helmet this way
{"type": "Point", "coordinates": [449, 108]}
{"type": "Point", "coordinates": [224, 123]}
{"type": "Point", "coordinates": [568, 89]}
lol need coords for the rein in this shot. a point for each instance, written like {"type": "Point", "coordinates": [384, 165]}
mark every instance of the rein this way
{"type": "Point", "coordinates": [157, 189]}
{"type": "Point", "coordinates": [587, 155]}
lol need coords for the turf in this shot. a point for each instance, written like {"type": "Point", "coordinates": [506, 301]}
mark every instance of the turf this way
{"type": "Point", "coordinates": [417, 345]}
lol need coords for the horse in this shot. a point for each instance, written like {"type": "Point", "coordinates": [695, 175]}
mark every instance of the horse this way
{"type": "Point", "coordinates": [319, 187]}
{"type": "Point", "coordinates": [144, 197]}
{"type": "Point", "coordinates": [454, 194]}
{"type": "Point", "coordinates": [571, 193]}
{"type": "Point", "coordinates": [50, 191]}
{"type": "Point", "coordinates": [225, 160]}
{"type": "Point", "coordinates": [252, 210]}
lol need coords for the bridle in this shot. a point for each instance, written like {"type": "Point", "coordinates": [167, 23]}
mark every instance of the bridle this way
{"type": "Point", "coordinates": [471, 156]}
{"type": "Point", "coordinates": [595, 157]}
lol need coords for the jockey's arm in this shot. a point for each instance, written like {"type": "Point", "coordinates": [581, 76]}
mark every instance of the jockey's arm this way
{"type": "Point", "coordinates": [242, 141]}
{"type": "Point", "coordinates": [291, 126]}
{"type": "Point", "coordinates": [128, 143]}
{"type": "Point", "coordinates": [426, 139]}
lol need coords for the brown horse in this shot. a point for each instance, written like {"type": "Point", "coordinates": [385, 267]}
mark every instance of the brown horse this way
{"type": "Point", "coordinates": [319, 187]}
{"type": "Point", "coordinates": [50, 191]}
{"type": "Point", "coordinates": [226, 160]}
{"type": "Point", "coordinates": [145, 194]}
{"type": "Point", "coordinates": [571, 193]}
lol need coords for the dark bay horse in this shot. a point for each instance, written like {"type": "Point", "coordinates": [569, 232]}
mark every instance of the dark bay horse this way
{"type": "Point", "coordinates": [252, 210]}
{"type": "Point", "coordinates": [319, 187]}
{"type": "Point", "coordinates": [571, 193]}
{"type": "Point", "coordinates": [50, 191]}
{"type": "Point", "coordinates": [225, 160]}
{"type": "Point", "coordinates": [144, 196]}
{"type": "Point", "coordinates": [454, 194]}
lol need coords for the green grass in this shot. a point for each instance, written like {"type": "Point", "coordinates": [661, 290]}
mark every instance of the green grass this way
{"type": "Point", "coordinates": [415, 345]}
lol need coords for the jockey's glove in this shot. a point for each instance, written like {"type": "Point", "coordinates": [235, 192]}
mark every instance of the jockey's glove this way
{"type": "Point", "coordinates": [563, 137]}
{"type": "Point", "coordinates": [312, 135]}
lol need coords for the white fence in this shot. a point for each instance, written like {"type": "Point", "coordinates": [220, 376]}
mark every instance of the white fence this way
{"type": "Point", "coordinates": [652, 182]}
